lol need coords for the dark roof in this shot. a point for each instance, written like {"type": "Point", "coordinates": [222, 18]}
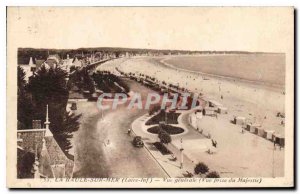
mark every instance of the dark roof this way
{"type": "Point", "coordinates": [56, 154]}
{"type": "Point", "coordinates": [31, 139]}
{"type": "Point", "coordinates": [52, 160]}
{"type": "Point", "coordinates": [39, 62]}
{"type": "Point", "coordinates": [58, 157]}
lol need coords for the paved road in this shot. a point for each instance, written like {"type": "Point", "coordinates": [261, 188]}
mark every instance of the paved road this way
{"type": "Point", "coordinates": [103, 147]}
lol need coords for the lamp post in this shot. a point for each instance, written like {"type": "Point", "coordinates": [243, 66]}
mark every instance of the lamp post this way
{"type": "Point", "coordinates": [67, 78]}
{"type": "Point", "coordinates": [101, 114]}
{"type": "Point", "coordinates": [181, 155]}
{"type": "Point", "coordinates": [273, 159]}
{"type": "Point", "coordinates": [166, 116]}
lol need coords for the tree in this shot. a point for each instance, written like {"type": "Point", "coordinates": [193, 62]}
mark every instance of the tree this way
{"type": "Point", "coordinates": [201, 168]}
{"type": "Point", "coordinates": [164, 137]}
{"type": "Point", "coordinates": [213, 174]}
{"type": "Point", "coordinates": [24, 104]}
{"type": "Point", "coordinates": [21, 79]}
{"type": "Point", "coordinates": [88, 82]}
{"type": "Point", "coordinates": [70, 124]}
{"type": "Point", "coordinates": [109, 83]}
{"type": "Point", "coordinates": [48, 86]}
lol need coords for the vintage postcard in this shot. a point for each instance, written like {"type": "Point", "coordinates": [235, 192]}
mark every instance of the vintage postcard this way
{"type": "Point", "coordinates": [150, 97]}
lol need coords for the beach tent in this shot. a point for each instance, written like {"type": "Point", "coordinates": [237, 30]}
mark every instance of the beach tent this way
{"type": "Point", "coordinates": [279, 139]}
{"type": "Point", "coordinates": [222, 110]}
{"type": "Point", "coordinates": [208, 111]}
{"type": "Point", "coordinates": [269, 135]}
{"type": "Point", "coordinates": [252, 128]}
{"type": "Point", "coordinates": [213, 103]}
{"type": "Point", "coordinates": [239, 120]}
{"type": "Point", "coordinates": [199, 115]}
{"type": "Point", "coordinates": [261, 132]}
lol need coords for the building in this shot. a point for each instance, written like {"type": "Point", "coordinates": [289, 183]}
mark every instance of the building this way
{"type": "Point", "coordinates": [52, 61]}
{"type": "Point", "coordinates": [67, 63]}
{"type": "Point", "coordinates": [39, 155]}
{"type": "Point", "coordinates": [76, 63]}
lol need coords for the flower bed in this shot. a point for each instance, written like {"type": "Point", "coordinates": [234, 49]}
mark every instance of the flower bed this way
{"type": "Point", "coordinates": [171, 118]}
{"type": "Point", "coordinates": [168, 128]}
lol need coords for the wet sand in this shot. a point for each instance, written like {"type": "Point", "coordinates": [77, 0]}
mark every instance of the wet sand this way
{"type": "Point", "coordinates": [268, 69]}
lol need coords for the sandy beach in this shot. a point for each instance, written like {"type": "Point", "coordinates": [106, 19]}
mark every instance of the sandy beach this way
{"type": "Point", "coordinates": [258, 103]}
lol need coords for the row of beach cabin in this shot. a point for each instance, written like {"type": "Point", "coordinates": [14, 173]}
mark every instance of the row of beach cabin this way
{"type": "Point", "coordinates": [258, 130]}
{"type": "Point", "coordinates": [215, 107]}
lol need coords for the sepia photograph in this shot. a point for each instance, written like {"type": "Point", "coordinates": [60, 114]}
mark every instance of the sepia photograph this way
{"type": "Point", "coordinates": [150, 97]}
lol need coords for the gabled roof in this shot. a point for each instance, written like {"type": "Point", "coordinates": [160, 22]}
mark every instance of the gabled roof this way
{"type": "Point", "coordinates": [57, 158]}
{"type": "Point", "coordinates": [50, 154]}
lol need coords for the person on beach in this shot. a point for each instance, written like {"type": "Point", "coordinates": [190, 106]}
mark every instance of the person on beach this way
{"type": "Point", "coordinates": [208, 151]}
{"type": "Point", "coordinates": [214, 143]}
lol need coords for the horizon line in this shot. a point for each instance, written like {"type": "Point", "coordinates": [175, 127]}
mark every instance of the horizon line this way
{"type": "Point", "coordinates": [151, 49]}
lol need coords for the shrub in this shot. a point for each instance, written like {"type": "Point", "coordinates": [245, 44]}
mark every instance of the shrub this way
{"type": "Point", "coordinates": [109, 83]}
{"type": "Point", "coordinates": [213, 174]}
{"type": "Point", "coordinates": [162, 148]}
{"type": "Point", "coordinates": [201, 168]}
{"type": "Point", "coordinates": [164, 137]}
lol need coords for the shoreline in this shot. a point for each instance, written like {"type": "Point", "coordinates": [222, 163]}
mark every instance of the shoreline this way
{"type": "Point", "coordinates": [253, 83]}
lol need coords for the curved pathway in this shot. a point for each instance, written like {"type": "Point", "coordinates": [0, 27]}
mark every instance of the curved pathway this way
{"type": "Point", "coordinates": [104, 149]}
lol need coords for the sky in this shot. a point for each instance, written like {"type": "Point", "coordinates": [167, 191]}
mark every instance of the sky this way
{"type": "Point", "coordinates": [189, 28]}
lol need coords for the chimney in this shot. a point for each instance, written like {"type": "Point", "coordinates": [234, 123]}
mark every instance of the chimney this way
{"type": "Point", "coordinates": [36, 124]}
